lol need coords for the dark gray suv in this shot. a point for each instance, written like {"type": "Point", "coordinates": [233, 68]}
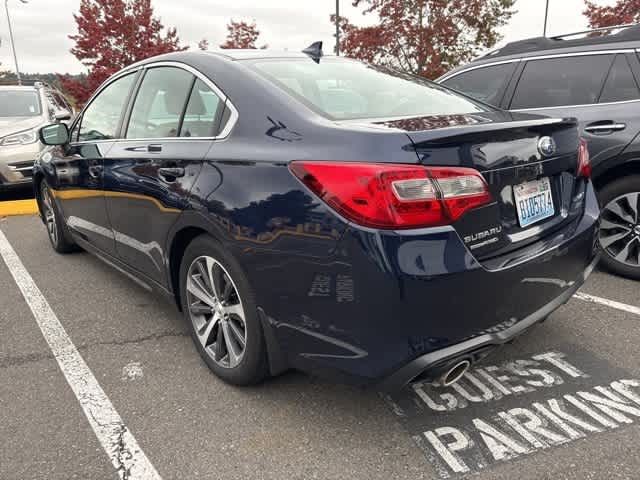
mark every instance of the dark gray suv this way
{"type": "Point", "coordinates": [595, 77]}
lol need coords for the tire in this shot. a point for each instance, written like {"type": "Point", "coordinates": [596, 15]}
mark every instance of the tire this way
{"type": "Point", "coordinates": [57, 230]}
{"type": "Point", "coordinates": [620, 226]}
{"type": "Point", "coordinates": [217, 326]}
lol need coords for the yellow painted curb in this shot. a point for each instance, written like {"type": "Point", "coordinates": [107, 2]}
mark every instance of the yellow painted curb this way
{"type": "Point", "coordinates": [18, 207]}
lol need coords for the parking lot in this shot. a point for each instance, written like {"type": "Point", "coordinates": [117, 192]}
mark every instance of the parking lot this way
{"type": "Point", "coordinates": [560, 402]}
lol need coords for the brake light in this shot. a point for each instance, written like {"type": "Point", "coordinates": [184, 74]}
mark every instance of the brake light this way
{"type": "Point", "coordinates": [584, 159]}
{"type": "Point", "coordinates": [394, 196]}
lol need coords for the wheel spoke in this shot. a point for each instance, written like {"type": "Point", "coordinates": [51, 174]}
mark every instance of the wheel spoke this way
{"type": "Point", "coordinates": [238, 334]}
{"type": "Point", "coordinates": [205, 276]}
{"type": "Point", "coordinates": [232, 349]}
{"type": "Point", "coordinates": [633, 199]}
{"type": "Point", "coordinates": [198, 308]}
{"type": "Point", "coordinates": [199, 282]}
{"type": "Point", "coordinates": [625, 253]}
{"type": "Point", "coordinates": [217, 280]}
{"type": "Point", "coordinates": [46, 199]}
{"type": "Point", "coordinates": [220, 349]}
{"type": "Point", "coordinates": [226, 293]}
{"type": "Point", "coordinates": [607, 240]}
{"type": "Point", "coordinates": [610, 224]}
{"type": "Point", "coordinates": [204, 334]}
{"type": "Point", "coordinates": [199, 292]}
{"type": "Point", "coordinates": [235, 310]}
{"type": "Point", "coordinates": [616, 209]}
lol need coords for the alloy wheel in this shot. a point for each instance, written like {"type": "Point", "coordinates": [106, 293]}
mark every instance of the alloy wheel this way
{"type": "Point", "coordinates": [620, 229]}
{"type": "Point", "coordinates": [49, 215]}
{"type": "Point", "coordinates": [216, 312]}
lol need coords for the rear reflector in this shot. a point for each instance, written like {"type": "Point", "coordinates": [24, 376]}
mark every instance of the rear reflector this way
{"type": "Point", "coordinates": [584, 159]}
{"type": "Point", "coordinates": [394, 196]}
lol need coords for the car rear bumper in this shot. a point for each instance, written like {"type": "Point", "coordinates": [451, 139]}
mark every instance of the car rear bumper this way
{"type": "Point", "coordinates": [387, 305]}
{"type": "Point", "coordinates": [478, 347]}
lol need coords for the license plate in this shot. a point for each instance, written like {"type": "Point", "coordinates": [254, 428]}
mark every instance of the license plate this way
{"type": "Point", "coordinates": [534, 201]}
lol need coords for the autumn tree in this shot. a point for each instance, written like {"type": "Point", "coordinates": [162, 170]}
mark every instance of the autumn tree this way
{"type": "Point", "coordinates": [113, 34]}
{"type": "Point", "coordinates": [424, 37]}
{"type": "Point", "coordinates": [241, 35]}
{"type": "Point", "coordinates": [623, 12]}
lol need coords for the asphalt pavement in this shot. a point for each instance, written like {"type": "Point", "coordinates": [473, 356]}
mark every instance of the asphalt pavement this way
{"type": "Point", "coordinates": [561, 402]}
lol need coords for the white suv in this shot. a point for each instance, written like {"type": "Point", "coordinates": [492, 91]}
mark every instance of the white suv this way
{"type": "Point", "coordinates": [23, 110]}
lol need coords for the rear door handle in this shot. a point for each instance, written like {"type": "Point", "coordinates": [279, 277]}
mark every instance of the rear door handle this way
{"type": "Point", "coordinates": [171, 173]}
{"type": "Point", "coordinates": [154, 148]}
{"type": "Point", "coordinates": [605, 127]}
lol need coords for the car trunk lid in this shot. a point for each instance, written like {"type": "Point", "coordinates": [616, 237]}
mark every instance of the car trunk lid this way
{"type": "Point", "coordinates": [528, 162]}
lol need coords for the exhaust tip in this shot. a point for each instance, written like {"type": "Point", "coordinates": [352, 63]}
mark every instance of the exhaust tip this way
{"type": "Point", "coordinates": [455, 373]}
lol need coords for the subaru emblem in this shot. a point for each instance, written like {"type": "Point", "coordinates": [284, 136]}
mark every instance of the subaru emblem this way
{"type": "Point", "coordinates": [547, 146]}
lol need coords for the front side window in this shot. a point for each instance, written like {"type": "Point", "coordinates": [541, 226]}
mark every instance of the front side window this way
{"type": "Point", "coordinates": [486, 84]}
{"type": "Point", "coordinates": [561, 81]}
{"type": "Point", "coordinates": [160, 103]}
{"type": "Point", "coordinates": [100, 119]}
{"type": "Point", "coordinates": [620, 85]}
{"type": "Point", "coordinates": [345, 90]}
{"type": "Point", "coordinates": [19, 103]}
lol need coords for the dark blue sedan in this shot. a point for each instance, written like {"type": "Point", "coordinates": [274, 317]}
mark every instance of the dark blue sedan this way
{"type": "Point", "coordinates": [321, 214]}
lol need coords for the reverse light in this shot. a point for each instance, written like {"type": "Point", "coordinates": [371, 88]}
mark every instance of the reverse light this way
{"type": "Point", "coordinates": [392, 196]}
{"type": "Point", "coordinates": [584, 159]}
{"type": "Point", "coordinates": [20, 138]}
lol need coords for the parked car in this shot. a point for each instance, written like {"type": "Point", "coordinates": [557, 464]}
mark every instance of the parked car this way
{"type": "Point", "coordinates": [321, 214]}
{"type": "Point", "coordinates": [23, 110]}
{"type": "Point", "coordinates": [597, 80]}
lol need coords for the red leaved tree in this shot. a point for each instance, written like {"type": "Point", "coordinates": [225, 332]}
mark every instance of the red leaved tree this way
{"type": "Point", "coordinates": [623, 12]}
{"type": "Point", "coordinates": [113, 34]}
{"type": "Point", "coordinates": [424, 37]}
{"type": "Point", "coordinates": [241, 35]}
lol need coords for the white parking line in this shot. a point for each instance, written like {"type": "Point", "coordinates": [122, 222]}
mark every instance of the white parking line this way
{"type": "Point", "coordinates": [609, 303]}
{"type": "Point", "coordinates": [116, 439]}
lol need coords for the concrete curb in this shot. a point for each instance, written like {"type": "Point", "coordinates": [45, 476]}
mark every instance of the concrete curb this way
{"type": "Point", "coordinates": [18, 207]}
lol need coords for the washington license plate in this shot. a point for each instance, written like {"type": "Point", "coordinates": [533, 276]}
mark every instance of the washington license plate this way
{"type": "Point", "coordinates": [534, 201]}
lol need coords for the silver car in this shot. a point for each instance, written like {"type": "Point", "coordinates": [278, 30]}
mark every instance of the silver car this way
{"type": "Point", "coordinates": [23, 110]}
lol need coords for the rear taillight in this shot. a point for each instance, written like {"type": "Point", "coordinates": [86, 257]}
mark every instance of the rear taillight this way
{"type": "Point", "coordinates": [394, 196]}
{"type": "Point", "coordinates": [584, 160]}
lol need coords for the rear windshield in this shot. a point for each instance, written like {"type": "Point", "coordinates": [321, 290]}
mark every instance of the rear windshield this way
{"type": "Point", "coordinates": [345, 90]}
{"type": "Point", "coordinates": [16, 103]}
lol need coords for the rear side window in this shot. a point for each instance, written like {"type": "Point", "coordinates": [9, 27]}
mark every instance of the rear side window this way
{"type": "Point", "coordinates": [202, 113]}
{"type": "Point", "coordinates": [343, 89]}
{"type": "Point", "coordinates": [555, 82]}
{"type": "Point", "coordinates": [620, 85]}
{"type": "Point", "coordinates": [160, 103]}
{"type": "Point", "coordinates": [486, 84]}
{"type": "Point", "coordinates": [101, 118]}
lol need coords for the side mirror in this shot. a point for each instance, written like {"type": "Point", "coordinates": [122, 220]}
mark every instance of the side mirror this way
{"type": "Point", "coordinates": [55, 134]}
{"type": "Point", "coordinates": [62, 115]}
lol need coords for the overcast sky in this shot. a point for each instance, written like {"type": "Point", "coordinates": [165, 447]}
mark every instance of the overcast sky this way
{"type": "Point", "coordinates": [41, 27]}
